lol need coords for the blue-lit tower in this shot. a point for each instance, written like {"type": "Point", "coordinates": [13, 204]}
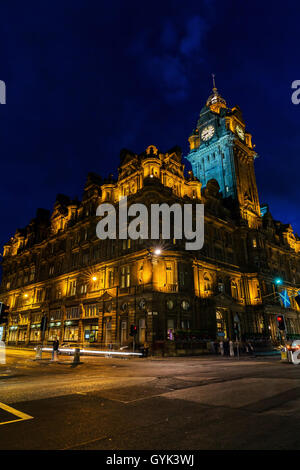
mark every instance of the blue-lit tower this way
{"type": "Point", "coordinates": [221, 149]}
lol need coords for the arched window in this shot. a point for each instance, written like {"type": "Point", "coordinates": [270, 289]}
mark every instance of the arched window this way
{"type": "Point", "coordinates": [207, 282]}
{"type": "Point", "coordinates": [234, 289]}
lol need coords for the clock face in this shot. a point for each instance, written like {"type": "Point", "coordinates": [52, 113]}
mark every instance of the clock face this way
{"type": "Point", "coordinates": [207, 133]}
{"type": "Point", "coordinates": [240, 132]}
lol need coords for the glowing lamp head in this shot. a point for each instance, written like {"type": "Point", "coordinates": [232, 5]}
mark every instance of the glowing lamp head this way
{"type": "Point", "coordinates": [278, 281]}
{"type": "Point", "coordinates": [157, 251]}
{"type": "Point", "coordinates": [25, 295]}
{"type": "Point", "coordinates": [94, 278]}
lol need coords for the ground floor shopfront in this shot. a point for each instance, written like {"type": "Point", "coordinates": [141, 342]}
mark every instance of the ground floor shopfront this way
{"type": "Point", "coordinates": [162, 321]}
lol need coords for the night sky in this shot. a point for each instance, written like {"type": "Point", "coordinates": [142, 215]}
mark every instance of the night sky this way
{"type": "Point", "coordinates": [87, 78]}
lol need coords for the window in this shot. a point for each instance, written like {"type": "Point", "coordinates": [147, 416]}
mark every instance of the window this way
{"type": "Point", "coordinates": [254, 243]}
{"type": "Point", "coordinates": [185, 324]}
{"type": "Point", "coordinates": [110, 278]}
{"type": "Point", "coordinates": [39, 295]}
{"type": "Point", "coordinates": [58, 293]}
{"type": "Point", "coordinates": [74, 259]}
{"type": "Point", "coordinates": [125, 276]}
{"type": "Point", "coordinates": [83, 289]}
{"type": "Point", "coordinates": [182, 279]}
{"type": "Point", "coordinates": [72, 288]}
{"type": "Point", "coordinates": [32, 274]}
{"type": "Point", "coordinates": [71, 333]}
{"type": "Point", "coordinates": [234, 291]}
{"type": "Point", "coordinates": [85, 257]}
{"type": "Point", "coordinates": [169, 274]}
{"type": "Point", "coordinates": [55, 314]}
{"type": "Point", "coordinates": [126, 244]}
{"type": "Point", "coordinates": [207, 283]}
{"type": "Point", "coordinates": [91, 310]}
{"type": "Point", "coordinates": [221, 287]}
{"type": "Point", "coordinates": [51, 270]}
{"type": "Point", "coordinates": [73, 312]}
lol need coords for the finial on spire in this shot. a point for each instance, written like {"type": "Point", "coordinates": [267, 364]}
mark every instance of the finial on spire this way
{"type": "Point", "coordinates": [215, 100]}
{"type": "Point", "coordinates": [214, 83]}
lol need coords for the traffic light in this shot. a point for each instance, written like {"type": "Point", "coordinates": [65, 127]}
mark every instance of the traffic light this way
{"type": "Point", "coordinates": [3, 313]}
{"type": "Point", "coordinates": [133, 330]}
{"type": "Point", "coordinates": [280, 322]}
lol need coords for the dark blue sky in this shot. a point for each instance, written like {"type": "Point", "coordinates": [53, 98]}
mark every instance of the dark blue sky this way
{"type": "Point", "coordinates": [87, 78]}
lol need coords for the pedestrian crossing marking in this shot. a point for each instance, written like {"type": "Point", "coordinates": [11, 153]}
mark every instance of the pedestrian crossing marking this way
{"type": "Point", "coordinates": [19, 414]}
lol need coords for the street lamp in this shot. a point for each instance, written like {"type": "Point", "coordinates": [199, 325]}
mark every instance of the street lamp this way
{"type": "Point", "coordinates": [157, 251]}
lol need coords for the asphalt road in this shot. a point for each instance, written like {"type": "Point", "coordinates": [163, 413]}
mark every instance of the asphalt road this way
{"type": "Point", "coordinates": [105, 403]}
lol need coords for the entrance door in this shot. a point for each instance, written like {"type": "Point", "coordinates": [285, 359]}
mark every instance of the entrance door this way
{"type": "Point", "coordinates": [108, 331]}
{"type": "Point", "coordinates": [123, 332]}
{"type": "Point", "coordinates": [221, 324]}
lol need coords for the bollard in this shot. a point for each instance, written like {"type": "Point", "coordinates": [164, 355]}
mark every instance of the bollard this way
{"type": "Point", "coordinates": [38, 354]}
{"type": "Point", "coordinates": [76, 359]}
{"type": "Point", "coordinates": [231, 350]}
{"type": "Point", "coordinates": [2, 353]}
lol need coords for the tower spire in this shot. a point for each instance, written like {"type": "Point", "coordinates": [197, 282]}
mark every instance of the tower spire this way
{"type": "Point", "coordinates": [215, 100]}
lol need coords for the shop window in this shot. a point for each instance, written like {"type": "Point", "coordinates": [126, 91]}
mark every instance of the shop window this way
{"type": "Point", "coordinates": [54, 332]}
{"type": "Point", "coordinates": [91, 333]}
{"type": "Point", "coordinates": [170, 329]}
{"type": "Point", "coordinates": [71, 333]}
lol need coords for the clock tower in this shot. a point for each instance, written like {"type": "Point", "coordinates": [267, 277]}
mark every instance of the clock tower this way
{"type": "Point", "coordinates": [221, 149]}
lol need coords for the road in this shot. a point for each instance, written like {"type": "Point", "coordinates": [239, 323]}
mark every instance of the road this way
{"type": "Point", "coordinates": [105, 403]}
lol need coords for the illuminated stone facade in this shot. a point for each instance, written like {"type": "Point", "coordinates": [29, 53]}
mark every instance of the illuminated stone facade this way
{"type": "Point", "coordinates": [92, 290]}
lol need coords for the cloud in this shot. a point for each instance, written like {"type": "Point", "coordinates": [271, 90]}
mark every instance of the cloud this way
{"type": "Point", "coordinates": [168, 57]}
{"type": "Point", "coordinates": [193, 41]}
